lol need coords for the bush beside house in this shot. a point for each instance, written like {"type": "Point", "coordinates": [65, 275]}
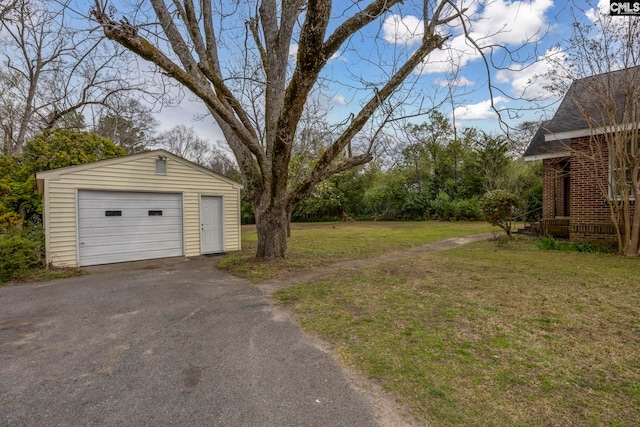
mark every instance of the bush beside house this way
{"type": "Point", "coordinates": [21, 234]}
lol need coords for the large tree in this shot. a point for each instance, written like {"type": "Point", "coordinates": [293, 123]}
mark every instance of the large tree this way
{"type": "Point", "coordinates": [6, 6]}
{"type": "Point", "coordinates": [255, 65]}
{"type": "Point", "coordinates": [128, 123]}
{"type": "Point", "coordinates": [603, 52]}
{"type": "Point", "coordinates": [51, 67]}
{"type": "Point", "coordinates": [185, 142]}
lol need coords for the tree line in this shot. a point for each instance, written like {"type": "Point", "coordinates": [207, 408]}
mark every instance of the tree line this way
{"type": "Point", "coordinates": [60, 71]}
{"type": "Point", "coordinates": [434, 172]}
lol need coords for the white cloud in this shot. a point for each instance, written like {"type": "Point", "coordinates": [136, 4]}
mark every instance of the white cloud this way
{"type": "Point", "coordinates": [406, 30]}
{"type": "Point", "coordinates": [456, 54]}
{"type": "Point", "coordinates": [337, 55]}
{"type": "Point", "coordinates": [601, 9]}
{"type": "Point", "coordinates": [339, 99]}
{"type": "Point", "coordinates": [511, 22]}
{"type": "Point", "coordinates": [499, 22]}
{"type": "Point", "coordinates": [480, 111]}
{"type": "Point", "coordinates": [532, 82]}
{"type": "Point", "coordinates": [459, 82]}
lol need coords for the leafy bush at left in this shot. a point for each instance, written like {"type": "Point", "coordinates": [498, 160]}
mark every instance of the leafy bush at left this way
{"type": "Point", "coordinates": [20, 253]}
{"type": "Point", "coordinates": [21, 232]}
{"type": "Point", "coordinates": [19, 201]}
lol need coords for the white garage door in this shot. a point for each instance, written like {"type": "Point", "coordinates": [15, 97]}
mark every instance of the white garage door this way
{"type": "Point", "coordinates": [117, 227]}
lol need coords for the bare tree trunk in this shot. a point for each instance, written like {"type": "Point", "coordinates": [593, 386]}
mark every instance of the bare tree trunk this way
{"type": "Point", "coordinates": [27, 114]}
{"type": "Point", "coordinates": [289, 213]}
{"type": "Point", "coordinates": [272, 224]}
{"type": "Point", "coordinates": [633, 241]}
{"type": "Point", "coordinates": [263, 143]}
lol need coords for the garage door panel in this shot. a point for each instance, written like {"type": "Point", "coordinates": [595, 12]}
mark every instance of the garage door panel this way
{"type": "Point", "coordinates": [140, 222]}
{"type": "Point", "coordinates": [132, 235]}
{"type": "Point", "coordinates": [133, 248]}
{"type": "Point", "coordinates": [99, 239]}
{"type": "Point", "coordinates": [134, 208]}
{"type": "Point", "coordinates": [100, 214]}
{"type": "Point", "coordinates": [136, 256]}
{"type": "Point", "coordinates": [122, 197]}
{"type": "Point", "coordinates": [132, 212]}
{"type": "Point", "coordinates": [131, 230]}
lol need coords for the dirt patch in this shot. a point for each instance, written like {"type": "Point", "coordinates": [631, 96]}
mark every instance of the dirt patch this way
{"type": "Point", "coordinates": [290, 279]}
{"type": "Point", "coordinates": [17, 323]}
{"type": "Point", "coordinates": [192, 377]}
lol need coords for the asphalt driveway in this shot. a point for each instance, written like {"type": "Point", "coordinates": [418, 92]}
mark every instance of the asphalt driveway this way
{"type": "Point", "coordinates": [164, 343]}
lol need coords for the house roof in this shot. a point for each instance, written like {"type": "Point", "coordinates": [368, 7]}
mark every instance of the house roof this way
{"type": "Point", "coordinates": [581, 112]}
{"type": "Point", "coordinates": [56, 173]}
{"type": "Point", "coordinates": [539, 148]}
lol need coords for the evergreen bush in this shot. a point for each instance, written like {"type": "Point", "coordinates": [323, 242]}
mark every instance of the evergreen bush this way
{"type": "Point", "coordinates": [442, 208]}
{"type": "Point", "coordinates": [20, 252]}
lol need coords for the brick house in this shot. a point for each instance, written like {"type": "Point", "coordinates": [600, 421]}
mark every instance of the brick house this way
{"type": "Point", "coordinates": [575, 150]}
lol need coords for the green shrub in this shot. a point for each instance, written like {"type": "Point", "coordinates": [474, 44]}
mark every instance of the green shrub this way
{"type": "Point", "coordinates": [583, 247]}
{"type": "Point", "coordinates": [19, 254]}
{"type": "Point", "coordinates": [548, 243]}
{"type": "Point", "coordinates": [499, 208]}
{"type": "Point", "coordinates": [19, 200]}
{"type": "Point", "coordinates": [444, 209]}
{"type": "Point", "coordinates": [59, 148]}
{"type": "Point", "coordinates": [414, 206]}
{"type": "Point", "coordinates": [441, 208]}
{"type": "Point", "coordinates": [468, 209]}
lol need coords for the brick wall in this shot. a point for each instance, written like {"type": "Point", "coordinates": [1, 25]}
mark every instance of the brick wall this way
{"type": "Point", "coordinates": [588, 177]}
{"type": "Point", "coordinates": [548, 188]}
{"type": "Point", "coordinates": [590, 213]}
{"type": "Point", "coordinates": [553, 191]}
{"type": "Point", "coordinates": [590, 217]}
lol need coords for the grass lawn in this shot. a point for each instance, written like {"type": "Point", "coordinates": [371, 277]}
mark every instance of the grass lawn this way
{"type": "Point", "coordinates": [485, 334]}
{"type": "Point", "coordinates": [317, 244]}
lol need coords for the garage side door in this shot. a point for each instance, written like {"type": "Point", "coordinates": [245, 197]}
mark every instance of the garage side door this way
{"type": "Point", "coordinates": [211, 228]}
{"type": "Point", "coordinates": [117, 227]}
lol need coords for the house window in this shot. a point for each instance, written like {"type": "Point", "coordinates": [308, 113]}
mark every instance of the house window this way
{"type": "Point", "coordinates": [161, 166]}
{"type": "Point", "coordinates": [112, 213]}
{"type": "Point", "coordinates": [155, 213]}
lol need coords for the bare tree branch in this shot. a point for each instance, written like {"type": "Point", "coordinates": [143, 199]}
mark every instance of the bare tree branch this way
{"type": "Point", "coordinates": [258, 93]}
{"type": "Point", "coordinates": [55, 70]}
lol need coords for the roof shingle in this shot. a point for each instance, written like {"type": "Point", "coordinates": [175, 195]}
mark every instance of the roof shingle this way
{"type": "Point", "coordinates": [592, 102]}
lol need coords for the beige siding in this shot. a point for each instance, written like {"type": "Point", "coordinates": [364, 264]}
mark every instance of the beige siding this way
{"type": "Point", "coordinates": [136, 174]}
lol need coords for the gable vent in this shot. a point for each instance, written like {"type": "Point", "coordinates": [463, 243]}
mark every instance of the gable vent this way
{"type": "Point", "coordinates": [161, 166]}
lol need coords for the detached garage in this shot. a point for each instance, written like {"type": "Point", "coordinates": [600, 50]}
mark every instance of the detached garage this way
{"type": "Point", "coordinates": [144, 206]}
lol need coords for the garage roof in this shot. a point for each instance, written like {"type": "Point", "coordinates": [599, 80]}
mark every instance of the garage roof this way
{"type": "Point", "coordinates": [56, 173]}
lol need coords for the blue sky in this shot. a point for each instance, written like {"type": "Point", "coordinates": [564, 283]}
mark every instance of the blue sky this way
{"type": "Point", "coordinates": [541, 25]}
